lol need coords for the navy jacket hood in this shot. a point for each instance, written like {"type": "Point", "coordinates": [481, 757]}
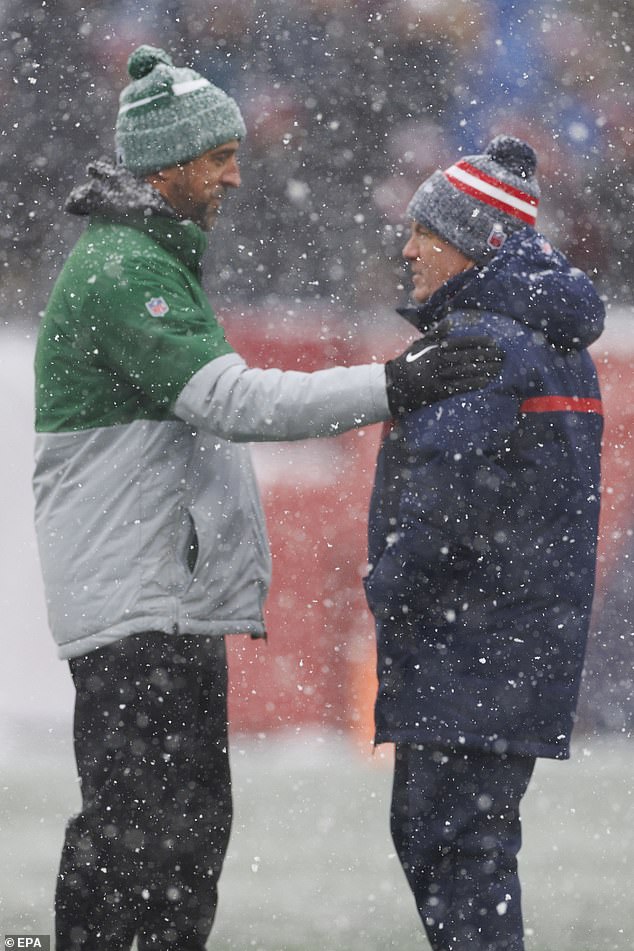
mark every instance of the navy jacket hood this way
{"type": "Point", "coordinates": [530, 281]}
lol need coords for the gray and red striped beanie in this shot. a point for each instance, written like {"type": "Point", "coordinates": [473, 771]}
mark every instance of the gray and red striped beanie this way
{"type": "Point", "coordinates": [480, 200]}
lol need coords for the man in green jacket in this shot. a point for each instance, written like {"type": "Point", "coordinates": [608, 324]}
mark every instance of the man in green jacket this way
{"type": "Point", "coordinates": [150, 530]}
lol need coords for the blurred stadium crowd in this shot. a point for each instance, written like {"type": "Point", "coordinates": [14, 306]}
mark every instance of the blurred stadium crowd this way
{"type": "Point", "coordinates": [348, 106]}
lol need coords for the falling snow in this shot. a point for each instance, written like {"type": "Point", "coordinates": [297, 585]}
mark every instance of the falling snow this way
{"type": "Point", "coordinates": [348, 107]}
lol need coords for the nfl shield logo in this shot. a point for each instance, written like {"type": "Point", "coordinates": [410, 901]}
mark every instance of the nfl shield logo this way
{"type": "Point", "coordinates": [157, 306]}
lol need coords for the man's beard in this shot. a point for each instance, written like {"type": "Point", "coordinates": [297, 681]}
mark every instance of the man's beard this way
{"type": "Point", "coordinates": [203, 215]}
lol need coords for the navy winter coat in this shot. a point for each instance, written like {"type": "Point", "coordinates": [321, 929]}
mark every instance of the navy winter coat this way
{"type": "Point", "coordinates": [483, 521]}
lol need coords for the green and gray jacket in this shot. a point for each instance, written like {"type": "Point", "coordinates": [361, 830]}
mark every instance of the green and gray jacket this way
{"type": "Point", "coordinates": [147, 511]}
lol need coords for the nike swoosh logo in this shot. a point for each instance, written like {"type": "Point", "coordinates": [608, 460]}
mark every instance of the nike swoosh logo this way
{"type": "Point", "coordinates": [415, 356]}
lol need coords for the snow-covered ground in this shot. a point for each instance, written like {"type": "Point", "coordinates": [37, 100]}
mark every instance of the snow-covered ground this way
{"type": "Point", "coordinates": [311, 866]}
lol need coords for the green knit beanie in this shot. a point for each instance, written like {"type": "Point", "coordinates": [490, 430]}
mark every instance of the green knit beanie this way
{"type": "Point", "coordinates": [169, 116]}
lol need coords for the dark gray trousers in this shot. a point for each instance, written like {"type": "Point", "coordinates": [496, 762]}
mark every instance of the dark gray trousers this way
{"type": "Point", "coordinates": [143, 856]}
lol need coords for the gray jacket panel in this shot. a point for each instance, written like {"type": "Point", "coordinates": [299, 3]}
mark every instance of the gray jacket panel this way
{"type": "Point", "coordinates": [117, 510]}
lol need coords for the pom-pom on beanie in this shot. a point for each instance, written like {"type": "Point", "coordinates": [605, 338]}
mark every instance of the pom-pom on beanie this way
{"type": "Point", "coordinates": [169, 116]}
{"type": "Point", "coordinates": [477, 203]}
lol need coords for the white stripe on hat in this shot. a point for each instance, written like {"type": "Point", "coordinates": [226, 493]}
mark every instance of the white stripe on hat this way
{"type": "Point", "coordinates": [488, 191]}
{"type": "Point", "coordinates": [141, 102]}
{"type": "Point", "coordinates": [179, 89]}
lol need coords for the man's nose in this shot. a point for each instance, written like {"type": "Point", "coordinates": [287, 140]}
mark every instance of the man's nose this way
{"type": "Point", "coordinates": [410, 251]}
{"type": "Point", "coordinates": [231, 174]}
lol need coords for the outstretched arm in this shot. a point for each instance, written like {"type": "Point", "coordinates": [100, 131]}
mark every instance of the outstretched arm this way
{"type": "Point", "coordinates": [183, 361]}
{"type": "Point", "coordinates": [249, 404]}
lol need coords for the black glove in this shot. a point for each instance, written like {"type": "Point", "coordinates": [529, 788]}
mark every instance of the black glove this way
{"type": "Point", "coordinates": [435, 367]}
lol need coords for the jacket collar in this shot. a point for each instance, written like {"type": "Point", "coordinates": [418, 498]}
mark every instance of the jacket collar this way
{"type": "Point", "coordinates": [114, 194]}
{"type": "Point", "coordinates": [424, 316]}
{"type": "Point", "coordinates": [183, 239]}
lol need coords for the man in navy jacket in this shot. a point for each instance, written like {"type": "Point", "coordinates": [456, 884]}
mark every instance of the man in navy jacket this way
{"type": "Point", "coordinates": [483, 531]}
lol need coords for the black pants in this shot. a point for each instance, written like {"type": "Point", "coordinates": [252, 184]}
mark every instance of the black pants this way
{"type": "Point", "coordinates": [456, 827]}
{"type": "Point", "coordinates": [144, 855]}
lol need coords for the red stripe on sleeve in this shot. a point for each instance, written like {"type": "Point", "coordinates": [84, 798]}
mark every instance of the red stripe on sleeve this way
{"type": "Point", "coordinates": [561, 404]}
